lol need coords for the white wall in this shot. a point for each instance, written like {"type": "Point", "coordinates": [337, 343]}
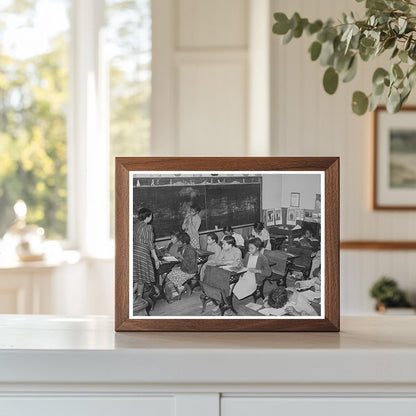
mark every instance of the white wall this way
{"type": "Point", "coordinates": [272, 191]}
{"type": "Point", "coordinates": [307, 185]}
{"type": "Point", "coordinates": [200, 74]}
{"type": "Point", "coordinates": [277, 189]}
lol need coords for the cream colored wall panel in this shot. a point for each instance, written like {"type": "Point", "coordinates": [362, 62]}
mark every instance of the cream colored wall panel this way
{"type": "Point", "coordinates": [8, 301]}
{"type": "Point", "coordinates": [212, 108]}
{"type": "Point", "coordinates": [360, 269]}
{"type": "Point", "coordinates": [212, 24]}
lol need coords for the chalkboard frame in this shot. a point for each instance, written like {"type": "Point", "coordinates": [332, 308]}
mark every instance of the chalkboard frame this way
{"type": "Point", "coordinates": [328, 165]}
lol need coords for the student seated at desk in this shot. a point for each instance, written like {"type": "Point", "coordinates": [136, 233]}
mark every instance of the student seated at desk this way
{"type": "Point", "coordinates": [307, 240]}
{"type": "Point", "coordinates": [289, 302]}
{"type": "Point", "coordinates": [230, 255]}
{"type": "Point", "coordinates": [258, 269]}
{"type": "Point", "coordinates": [186, 270]}
{"type": "Point", "coordinates": [174, 244]}
{"type": "Point", "coordinates": [228, 231]}
{"type": "Point", "coordinates": [311, 285]}
{"type": "Point", "coordinates": [213, 246]}
{"type": "Point", "coordinates": [260, 232]}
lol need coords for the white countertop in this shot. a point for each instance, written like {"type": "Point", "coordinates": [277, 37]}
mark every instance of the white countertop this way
{"type": "Point", "coordinates": [53, 349]}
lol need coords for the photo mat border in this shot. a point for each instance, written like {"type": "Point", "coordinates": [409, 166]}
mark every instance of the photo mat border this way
{"type": "Point", "coordinates": [322, 185]}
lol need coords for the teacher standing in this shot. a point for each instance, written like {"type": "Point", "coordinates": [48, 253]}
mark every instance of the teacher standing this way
{"type": "Point", "coordinates": [143, 251]}
{"type": "Point", "coordinates": [191, 224]}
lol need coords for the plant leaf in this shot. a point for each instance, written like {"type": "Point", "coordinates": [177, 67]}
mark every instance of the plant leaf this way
{"type": "Point", "coordinates": [397, 71]}
{"type": "Point", "coordinates": [330, 80]}
{"type": "Point", "coordinates": [393, 101]}
{"type": "Point", "coordinates": [359, 103]}
{"type": "Point", "coordinates": [281, 27]}
{"type": "Point", "coordinates": [315, 50]}
{"type": "Point", "coordinates": [403, 56]}
{"type": "Point", "coordinates": [351, 71]}
{"type": "Point", "coordinates": [374, 101]}
{"type": "Point", "coordinates": [379, 75]}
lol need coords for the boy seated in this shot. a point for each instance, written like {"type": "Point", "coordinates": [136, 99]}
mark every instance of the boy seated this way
{"type": "Point", "coordinates": [289, 302]}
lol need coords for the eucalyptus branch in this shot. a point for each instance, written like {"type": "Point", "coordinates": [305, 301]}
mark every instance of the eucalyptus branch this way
{"type": "Point", "coordinates": [389, 26]}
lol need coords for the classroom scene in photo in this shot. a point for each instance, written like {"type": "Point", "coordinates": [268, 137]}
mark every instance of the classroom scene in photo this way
{"type": "Point", "coordinates": [226, 245]}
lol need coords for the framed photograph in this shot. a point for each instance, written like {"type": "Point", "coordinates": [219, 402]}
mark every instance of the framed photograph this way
{"type": "Point", "coordinates": [185, 260]}
{"type": "Point", "coordinates": [294, 199]}
{"type": "Point", "coordinates": [278, 216]}
{"type": "Point", "coordinates": [270, 217]}
{"type": "Point", "coordinates": [394, 177]}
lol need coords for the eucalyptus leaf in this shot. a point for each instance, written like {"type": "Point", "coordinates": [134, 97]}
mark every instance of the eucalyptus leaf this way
{"type": "Point", "coordinates": [350, 73]}
{"type": "Point", "coordinates": [408, 42]}
{"type": "Point", "coordinates": [378, 89]}
{"type": "Point", "coordinates": [402, 22]}
{"type": "Point", "coordinates": [374, 102]}
{"type": "Point", "coordinates": [330, 80]}
{"type": "Point", "coordinates": [288, 37]}
{"type": "Point", "coordinates": [359, 103]}
{"type": "Point", "coordinates": [376, 4]}
{"type": "Point", "coordinates": [314, 27]}
{"type": "Point", "coordinates": [397, 71]}
{"type": "Point", "coordinates": [379, 75]}
{"type": "Point", "coordinates": [393, 101]}
{"type": "Point", "coordinates": [315, 50]}
{"type": "Point", "coordinates": [327, 54]}
{"type": "Point", "coordinates": [403, 56]}
{"type": "Point", "coordinates": [395, 52]}
{"type": "Point", "coordinates": [281, 26]}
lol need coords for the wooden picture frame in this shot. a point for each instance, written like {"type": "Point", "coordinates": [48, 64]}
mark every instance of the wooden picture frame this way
{"type": "Point", "coordinates": [326, 167]}
{"type": "Point", "coordinates": [394, 146]}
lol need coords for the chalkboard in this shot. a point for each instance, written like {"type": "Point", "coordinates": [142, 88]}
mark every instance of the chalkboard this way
{"type": "Point", "coordinates": [231, 204]}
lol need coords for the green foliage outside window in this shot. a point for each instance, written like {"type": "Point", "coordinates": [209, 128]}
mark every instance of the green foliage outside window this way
{"type": "Point", "coordinates": [33, 100]}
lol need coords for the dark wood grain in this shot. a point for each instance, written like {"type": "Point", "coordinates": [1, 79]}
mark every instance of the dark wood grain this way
{"type": "Point", "coordinates": [376, 205]}
{"type": "Point", "coordinates": [330, 165]}
{"type": "Point", "coordinates": [378, 245]}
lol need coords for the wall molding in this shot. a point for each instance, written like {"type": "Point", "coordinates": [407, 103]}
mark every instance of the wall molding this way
{"type": "Point", "coordinates": [377, 245]}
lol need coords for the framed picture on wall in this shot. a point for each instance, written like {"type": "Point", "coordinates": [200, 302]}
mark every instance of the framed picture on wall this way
{"type": "Point", "coordinates": [185, 257]}
{"type": "Point", "coordinates": [294, 199]}
{"type": "Point", "coordinates": [278, 216]}
{"type": "Point", "coordinates": [394, 150]}
{"type": "Point", "coordinates": [270, 219]}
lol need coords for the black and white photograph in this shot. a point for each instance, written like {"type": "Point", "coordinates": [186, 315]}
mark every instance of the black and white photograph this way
{"type": "Point", "coordinates": [201, 249]}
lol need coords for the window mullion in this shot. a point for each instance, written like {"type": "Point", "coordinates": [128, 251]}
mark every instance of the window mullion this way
{"type": "Point", "coordinates": [88, 137]}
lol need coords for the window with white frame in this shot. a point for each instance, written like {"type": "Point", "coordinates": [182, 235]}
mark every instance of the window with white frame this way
{"type": "Point", "coordinates": [75, 87]}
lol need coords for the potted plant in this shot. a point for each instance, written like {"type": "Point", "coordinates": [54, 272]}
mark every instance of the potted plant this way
{"type": "Point", "coordinates": [387, 294]}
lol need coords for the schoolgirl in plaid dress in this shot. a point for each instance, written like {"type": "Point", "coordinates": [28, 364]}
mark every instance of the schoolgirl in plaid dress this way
{"type": "Point", "coordinates": [143, 251]}
{"type": "Point", "coordinates": [186, 270]}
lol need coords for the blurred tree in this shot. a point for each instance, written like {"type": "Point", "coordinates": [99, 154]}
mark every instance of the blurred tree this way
{"type": "Point", "coordinates": [33, 97]}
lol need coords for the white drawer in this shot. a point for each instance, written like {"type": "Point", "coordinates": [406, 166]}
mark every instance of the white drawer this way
{"type": "Point", "coordinates": [87, 406]}
{"type": "Point", "coordinates": [249, 406]}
